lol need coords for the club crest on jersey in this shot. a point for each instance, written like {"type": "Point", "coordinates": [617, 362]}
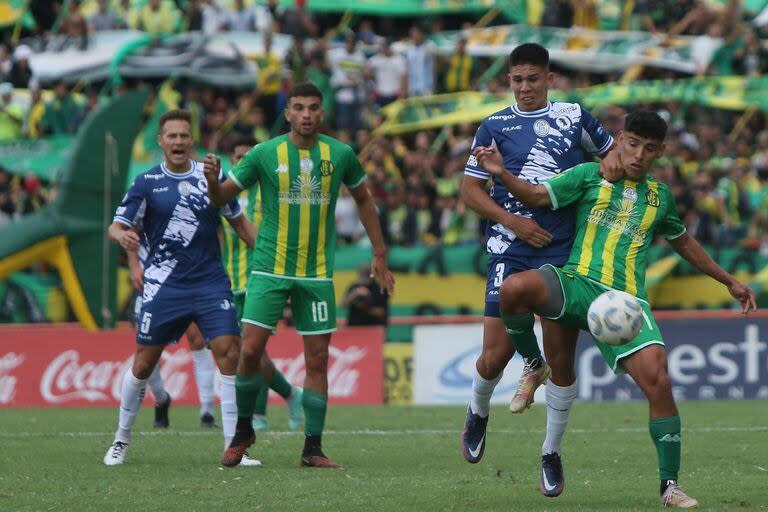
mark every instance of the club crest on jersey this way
{"type": "Point", "coordinates": [541, 128]}
{"type": "Point", "coordinates": [186, 188]}
{"type": "Point", "coordinates": [652, 198]}
{"type": "Point", "coordinates": [326, 167]}
{"type": "Point", "coordinates": [630, 194]}
{"type": "Point", "coordinates": [306, 165]}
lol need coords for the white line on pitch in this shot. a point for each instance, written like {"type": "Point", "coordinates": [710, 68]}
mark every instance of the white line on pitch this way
{"type": "Point", "coordinates": [192, 433]}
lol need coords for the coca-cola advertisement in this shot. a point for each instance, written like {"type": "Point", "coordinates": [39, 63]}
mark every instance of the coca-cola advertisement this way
{"type": "Point", "coordinates": [67, 366]}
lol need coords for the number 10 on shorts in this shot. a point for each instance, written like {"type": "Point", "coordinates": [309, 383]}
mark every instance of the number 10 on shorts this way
{"type": "Point", "coordinates": [319, 311]}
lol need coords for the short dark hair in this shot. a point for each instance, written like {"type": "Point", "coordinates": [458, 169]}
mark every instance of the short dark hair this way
{"type": "Point", "coordinates": [175, 115]}
{"type": "Point", "coordinates": [305, 89]}
{"type": "Point", "coordinates": [244, 141]}
{"type": "Point", "coordinates": [646, 124]}
{"type": "Point", "coordinates": [529, 53]}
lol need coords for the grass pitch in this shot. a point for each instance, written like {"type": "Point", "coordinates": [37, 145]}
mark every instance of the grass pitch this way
{"type": "Point", "coordinates": [395, 458]}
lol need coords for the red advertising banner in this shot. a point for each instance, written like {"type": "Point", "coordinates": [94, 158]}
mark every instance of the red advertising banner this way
{"type": "Point", "coordinates": [67, 366]}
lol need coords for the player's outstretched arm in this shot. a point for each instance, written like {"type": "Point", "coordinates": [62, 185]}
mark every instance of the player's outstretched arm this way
{"type": "Point", "coordinates": [219, 192]}
{"type": "Point", "coordinates": [687, 247]}
{"type": "Point", "coordinates": [473, 193]}
{"type": "Point", "coordinates": [532, 196]}
{"type": "Point", "coordinates": [370, 220]}
{"type": "Point", "coordinates": [245, 230]}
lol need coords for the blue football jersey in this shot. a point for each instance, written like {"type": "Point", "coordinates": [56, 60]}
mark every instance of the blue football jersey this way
{"type": "Point", "coordinates": [536, 146]}
{"type": "Point", "coordinates": [180, 226]}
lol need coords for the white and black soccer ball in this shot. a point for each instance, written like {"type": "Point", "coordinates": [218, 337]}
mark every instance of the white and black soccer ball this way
{"type": "Point", "coordinates": [615, 317]}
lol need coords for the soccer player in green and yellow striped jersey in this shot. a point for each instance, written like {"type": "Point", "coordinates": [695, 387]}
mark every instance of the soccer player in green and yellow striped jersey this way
{"type": "Point", "coordinates": [236, 257]}
{"type": "Point", "coordinates": [299, 176]}
{"type": "Point", "coordinates": [615, 224]}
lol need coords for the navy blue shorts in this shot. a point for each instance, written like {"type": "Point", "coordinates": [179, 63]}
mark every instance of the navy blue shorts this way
{"type": "Point", "coordinates": [501, 266]}
{"type": "Point", "coordinates": [164, 319]}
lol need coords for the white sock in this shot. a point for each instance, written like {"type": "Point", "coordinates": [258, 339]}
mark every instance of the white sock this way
{"type": "Point", "coordinates": [204, 375]}
{"type": "Point", "coordinates": [482, 390]}
{"type": "Point", "coordinates": [131, 396]}
{"type": "Point", "coordinates": [559, 401]}
{"type": "Point", "coordinates": [228, 407]}
{"type": "Point", "coordinates": [155, 382]}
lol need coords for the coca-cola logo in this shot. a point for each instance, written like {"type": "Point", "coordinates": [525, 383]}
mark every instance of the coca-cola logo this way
{"type": "Point", "coordinates": [8, 362]}
{"type": "Point", "coordinates": [66, 378]}
{"type": "Point", "coordinates": [343, 377]}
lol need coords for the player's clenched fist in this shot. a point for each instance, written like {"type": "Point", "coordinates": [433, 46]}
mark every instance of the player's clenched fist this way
{"type": "Point", "coordinates": [211, 167]}
{"type": "Point", "coordinates": [129, 240]}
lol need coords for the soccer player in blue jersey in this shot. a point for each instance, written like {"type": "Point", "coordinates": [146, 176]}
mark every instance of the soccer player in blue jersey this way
{"type": "Point", "coordinates": [184, 280]}
{"type": "Point", "coordinates": [537, 139]}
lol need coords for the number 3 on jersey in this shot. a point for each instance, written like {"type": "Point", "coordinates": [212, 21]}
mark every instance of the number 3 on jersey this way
{"type": "Point", "coordinates": [319, 311]}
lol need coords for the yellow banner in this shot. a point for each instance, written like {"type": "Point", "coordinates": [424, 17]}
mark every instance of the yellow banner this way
{"type": "Point", "coordinates": [398, 373]}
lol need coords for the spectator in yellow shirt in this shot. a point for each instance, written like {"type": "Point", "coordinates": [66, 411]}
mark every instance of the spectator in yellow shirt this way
{"type": "Point", "coordinates": [158, 18]}
{"type": "Point", "coordinates": [11, 114]}
{"type": "Point", "coordinates": [269, 80]}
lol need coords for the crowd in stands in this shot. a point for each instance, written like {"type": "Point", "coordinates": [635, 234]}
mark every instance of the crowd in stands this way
{"type": "Point", "coordinates": [716, 163]}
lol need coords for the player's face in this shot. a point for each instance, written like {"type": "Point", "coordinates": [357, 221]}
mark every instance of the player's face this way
{"type": "Point", "coordinates": [638, 153]}
{"type": "Point", "coordinates": [304, 113]}
{"type": "Point", "coordinates": [530, 84]}
{"type": "Point", "coordinates": [175, 139]}
{"type": "Point", "coordinates": [238, 153]}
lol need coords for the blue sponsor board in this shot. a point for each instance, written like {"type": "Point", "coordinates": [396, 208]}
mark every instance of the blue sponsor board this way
{"type": "Point", "coordinates": [708, 359]}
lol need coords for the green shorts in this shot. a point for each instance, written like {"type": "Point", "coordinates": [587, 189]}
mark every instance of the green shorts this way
{"type": "Point", "coordinates": [238, 298]}
{"type": "Point", "coordinates": [313, 303]}
{"type": "Point", "coordinates": [579, 292]}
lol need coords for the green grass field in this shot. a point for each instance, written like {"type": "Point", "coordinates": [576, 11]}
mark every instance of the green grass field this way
{"type": "Point", "coordinates": [396, 458]}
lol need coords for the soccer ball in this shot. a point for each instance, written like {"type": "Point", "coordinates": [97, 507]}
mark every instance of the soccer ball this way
{"type": "Point", "coordinates": [615, 317]}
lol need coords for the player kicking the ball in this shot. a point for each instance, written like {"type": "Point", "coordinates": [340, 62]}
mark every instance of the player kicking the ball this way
{"type": "Point", "coordinates": [615, 224]}
{"type": "Point", "coordinates": [299, 175]}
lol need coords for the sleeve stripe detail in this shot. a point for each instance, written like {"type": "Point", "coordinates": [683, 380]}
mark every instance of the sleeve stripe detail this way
{"type": "Point", "coordinates": [552, 196]}
{"type": "Point", "coordinates": [237, 182]}
{"type": "Point", "coordinates": [605, 147]}
{"type": "Point", "coordinates": [677, 235]}
{"type": "Point", "coordinates": [232, 216]}
{"type": "Point", "coordinates": [359, 182]}
{"type": "Point", "coordinates": [477, 174]}
{"type": "Point", "coordinates": [123, 220]}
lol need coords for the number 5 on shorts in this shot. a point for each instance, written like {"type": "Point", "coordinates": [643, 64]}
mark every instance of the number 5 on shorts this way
{"type": "Point", "coordinates": [145, 321]}
{"type": "Point", "coordinates": [319, 311]}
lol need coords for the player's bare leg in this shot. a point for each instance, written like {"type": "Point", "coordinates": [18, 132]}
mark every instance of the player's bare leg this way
{"type": "Point", "coordinates": [315, 400]}
{"type": "Point", "coordinates": [648, 368]}
{"type": "Point", "coordinates": [520, 295]}
{"type": "Point", "coordinates": [205, 373]}
{"type": "Point", "coordinates": [247, 383]}
{"type": "Point", "coordinates": [560, 351]}
{"type": "Point", "coordinates": [132, 393]}
{"type": "Point", "coordinates": [489, 368]}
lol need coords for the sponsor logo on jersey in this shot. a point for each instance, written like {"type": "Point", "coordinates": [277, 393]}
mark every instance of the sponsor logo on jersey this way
{"type": "Point", "coordinates": [326, 167]}
{"type": "Point", "coordinates": [305, 189]}
{"type": "Point", "coordinates": [606, 183]}
{"type": "Point", "coordinates": [306, 165]}
{"type": "Point", "coordinates": [154, 176]}
{"type": "Point", "coordinates": [652, 198]}
{"type": "Point", "coordinates": [159, 189]}
{"type": "Point", "coordinates": [502, 117]}
{"type": "Point", "coordinates": [472, 161]}
{"type": "Point", "coordinates": [120, 210]}
{"type": "Point", "coordinates": [564, 111]}
{"type": "Point", "coordinates": [512, 128]}
{"type": "Point", "coordinates": [541, 128]}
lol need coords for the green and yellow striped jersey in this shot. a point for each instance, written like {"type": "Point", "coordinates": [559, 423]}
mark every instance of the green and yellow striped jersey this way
{"type": "Point", "coordinates": [299, 189]}
{"type": "Point", "coordinates": [235, 255]}
{"type": "Point", "coordinates": [615, 223]}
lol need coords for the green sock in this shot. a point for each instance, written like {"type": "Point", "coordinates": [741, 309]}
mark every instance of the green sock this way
{"type": "Point", "coordinates": [315, 405]}
{"type": "Point", "coordinates": [281, 386]}
{"type": "Point", "coordinates": [246, 393]}
{"type": "Point", "coordinates": [260, 407]}
{"type": "Point", "coordinates": [520, 327]}
{"type": "Point", "coordinates": [665, 433]}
